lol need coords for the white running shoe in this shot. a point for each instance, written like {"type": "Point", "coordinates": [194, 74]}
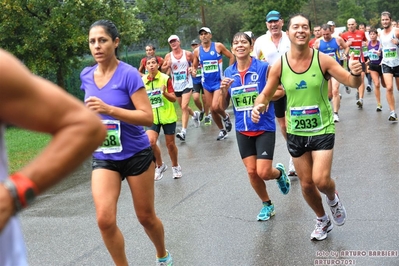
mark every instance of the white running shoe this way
{"type": "Point", "coordinates": [196, 118]}
{"type": "Point", "coordinates": [176, 172]}
{"type": "Point", "coordinates": [159, 171]}
{"type": "Point", "coordinates": [338, 212]}
{"type": "Point", "coordinates": [336, 118]}
{"type": "Point", "coordinates": [321, 229]}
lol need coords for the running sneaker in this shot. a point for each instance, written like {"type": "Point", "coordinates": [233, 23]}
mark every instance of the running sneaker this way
{"type": "Point", "coordinates": [379, 108]}
{"type": "Point", "coordinates": [291, 168]}
{"type": "Point", "coordinates": [368, 88]}
{"type": "Point", "coordinates": [181, 136]}
{"type": "Point", "coordinates": [393, 117]}
{"type": "Point", "coordinates": [167, 261]}
{"type": "Point", "coordinates": [159, 171]}
{"type": "Point", "coordinates": [321, 229]}
{"type": "Point", "coordinates": [227, 123]}
{"type": "Point", "coordinates": [359, 103]}
{"type": "Point", "coordinates": [266, 212]}
{"type": "Point", "coordinates": [176, 172]}
{"type": "Point", "coordinates": [222, 135]}
{"type": "Point", "coordinates": [340, 96]}
{"type": "Point", "coordinates": [283, 182]}
{"type": "Point", "coordinates": [338, 212]}
{"type": "Point", "coordinates": [201, 116]}
{"type": "Point", "coordinates": [208, 120]}
{"type": "Point", "coordinates": [336, 118]}
{"type": "Point", "coordinates": [196, 119]}
{"type": "Point", "coordinates": [357, 95]}
{"type": "Point", "coordinates": [348, 90]}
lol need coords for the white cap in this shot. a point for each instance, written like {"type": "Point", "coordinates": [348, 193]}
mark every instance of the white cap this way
{"type": "Point", "coordinates": [331, 23]}
{"type": "Point", "coordinates": [173, 37]}
{"type": "Point", "coordinates": [206, 29]}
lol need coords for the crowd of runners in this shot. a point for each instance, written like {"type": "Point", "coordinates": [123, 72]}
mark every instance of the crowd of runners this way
{"type": "Point", "coordinates": [279, 76]}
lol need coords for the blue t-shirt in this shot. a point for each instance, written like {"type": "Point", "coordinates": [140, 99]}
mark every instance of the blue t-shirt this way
{"type": "Point", "coordinates": [123, 139]}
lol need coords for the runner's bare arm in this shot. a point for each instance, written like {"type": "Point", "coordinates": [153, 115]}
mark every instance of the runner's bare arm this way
{"type": "Point", "coordinates": [33, 103]}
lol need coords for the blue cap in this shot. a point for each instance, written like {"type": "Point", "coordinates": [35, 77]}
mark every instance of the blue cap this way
{"type": "Point", "coordinates": [273, 16]}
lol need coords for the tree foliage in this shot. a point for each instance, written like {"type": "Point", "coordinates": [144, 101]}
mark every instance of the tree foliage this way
{"type": "Point", "coordinates": [165, 17]}
{"type": "Point", "coordinates": [50, 36]}
{"type": "Point", "coordinates": [363, 11]}
{"type": "Point", "coordinates": [254, 17]}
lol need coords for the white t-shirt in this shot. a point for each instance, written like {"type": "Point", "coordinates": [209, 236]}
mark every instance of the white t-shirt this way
{"type": "Point", "coordinates": [12, 245]}
{"type": "Point", "coordinates": [266, 50]}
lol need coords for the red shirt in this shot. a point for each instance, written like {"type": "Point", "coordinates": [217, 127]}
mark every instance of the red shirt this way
{"type": "Point", "coordinates": [311, 42]}
{"type": "Point", "coordinates": [357, 36]}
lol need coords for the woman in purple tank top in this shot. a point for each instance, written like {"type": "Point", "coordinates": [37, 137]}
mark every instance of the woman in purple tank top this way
{"type": "Point", "coordinates": [115, 91]}
{"type": "Point", "coordinates": [374, 62]}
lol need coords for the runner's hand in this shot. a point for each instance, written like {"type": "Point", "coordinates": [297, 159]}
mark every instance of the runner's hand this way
{"type": "Point", "coordinates": [256, 111]}
{"type": "Point", "coordinates": [354, 65]}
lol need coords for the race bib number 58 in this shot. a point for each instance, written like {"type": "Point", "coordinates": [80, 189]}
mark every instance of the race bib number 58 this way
{"type": "Point", "coordinates": [112, 142]}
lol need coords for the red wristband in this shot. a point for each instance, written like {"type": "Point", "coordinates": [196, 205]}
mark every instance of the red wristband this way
{"type": "Point", "coordinates": [26, 189]}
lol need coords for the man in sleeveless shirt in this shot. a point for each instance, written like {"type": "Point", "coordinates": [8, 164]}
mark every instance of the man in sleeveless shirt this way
{"type": "Point", "coordinates": [178, 63]}
{"type": "Point", "coordinates": [304, 73]}
{"type": "Point", "coordinates": [331, 46]}
{"type": "Point", "coordinates": [390, 60]}
{"type": "Point", "coordinates": [209, 55]}
{"type": "Point", "coordinates": [33, 103]}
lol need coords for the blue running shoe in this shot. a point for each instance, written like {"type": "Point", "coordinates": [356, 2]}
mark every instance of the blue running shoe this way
{"type": "Point", "coordinates": [266, 212]}
{"type": "Point", "coordinates": [167, 261]}
{"type": "Point", "coordinates": [284, 183]}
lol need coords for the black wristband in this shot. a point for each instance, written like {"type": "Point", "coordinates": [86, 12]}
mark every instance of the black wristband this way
{"type": "Point", "coordinates": [355, 75]}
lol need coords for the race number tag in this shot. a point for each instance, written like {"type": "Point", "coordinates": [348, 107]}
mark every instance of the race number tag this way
{"type": "Point", "coordinates": [356, 51]}
{"type": "Point", "coordinates": [155, 97]}
{"type": "Point", "coordinates": [305, 119]}
{"type": "Point", "coordinates": [179, 77]}
{"type": "Point", "coordinates": [333, 55]}
{"type": "Point", "coordinates": [112, 142]}
{"type": "Point", "coordinates": [243, 97]}
{"type": "Point", "coordinates": [210, 66]}
{"type": "Point", "coordinates": [373, 55]}
{"type": "Point", "coordinates": [199, 72]}
{"type": "Point", "coordinates": [390, 52]}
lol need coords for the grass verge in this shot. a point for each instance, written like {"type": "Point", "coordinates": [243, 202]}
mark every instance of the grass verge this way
{"type": "Point", "coordinates": [23, 146]}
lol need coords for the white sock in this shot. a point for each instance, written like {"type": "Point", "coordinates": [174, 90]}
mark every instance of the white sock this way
{"type": "Point", "coordinates": [332, 202]}
{"type": "Point", "coordinates": [323, 218]}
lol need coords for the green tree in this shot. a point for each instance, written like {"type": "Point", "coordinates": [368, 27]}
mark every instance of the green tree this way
{"type": "Point", "coordinates": [254, 17]}
{"type": "Point", "coordinates": [51, 36]}
{"type": "Point", "coordinates": [351, 9]}
{"type": "Point", "coordinates": [163, 18]}
{"type": "Point", "coordinates": [225, 18]}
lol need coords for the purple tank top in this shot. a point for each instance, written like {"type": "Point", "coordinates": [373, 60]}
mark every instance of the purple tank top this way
{"type": "Point", "coordinates": [123, 139]}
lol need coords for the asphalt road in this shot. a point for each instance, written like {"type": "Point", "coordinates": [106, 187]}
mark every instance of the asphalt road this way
{"type": "Point", "coordinates": [210, 214]}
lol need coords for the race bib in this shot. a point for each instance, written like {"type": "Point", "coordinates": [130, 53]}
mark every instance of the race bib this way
{"type": "Point", "coordinates": [156, 98]}
{"type": "Point", "coordinates": [210, 66]}
{"type": "Point", "coordinates": [356, 50]}
{"type": "Point", "coordinates": [333, 55]}
{"type": "Point", "coordinates": [306, 119]}
{"type": "Point", "coordinates": [373, 55]}
{"type": "Point", "coordinates": [243, 97]}
{"type": "Point", "coordinates": [199, 72]}
{"type": "Point", "coordinates": [179, 77]}
{"type": "Point", "coordinates": [390, 52]}
{"type": "Point", "coordinates": [112, 142]}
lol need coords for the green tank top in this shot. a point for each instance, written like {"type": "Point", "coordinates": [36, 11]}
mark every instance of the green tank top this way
{"type": "Point", "coordinates": [162, 109]}
{"type": "Point", "coordinates": [309, 111]}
